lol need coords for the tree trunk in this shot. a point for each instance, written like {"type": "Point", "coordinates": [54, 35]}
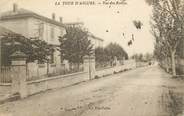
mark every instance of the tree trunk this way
{"type": "Point", "coordinates": [173, 63]}
{"type": "Point", "coordinates": [78, 67]}
{"type": "Point", "coordinates": [167, 64]}
{"type": "Point", "coordinates": [47, 67]}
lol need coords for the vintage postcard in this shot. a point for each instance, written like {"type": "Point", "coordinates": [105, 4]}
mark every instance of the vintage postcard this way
{"type": "Point", "coordinates": [91, 58]}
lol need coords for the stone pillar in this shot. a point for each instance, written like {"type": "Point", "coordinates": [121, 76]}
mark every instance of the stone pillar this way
{"type": "Point", "coordinates": [58, 61]}
{"type": "Point", "coordinates": [19, 84]}
{"type": "Point", "coordinates": [89, 66]}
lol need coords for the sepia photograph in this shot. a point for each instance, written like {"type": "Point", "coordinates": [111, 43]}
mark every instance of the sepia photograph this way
{"type": "Point", "coordinates": [91, 57]}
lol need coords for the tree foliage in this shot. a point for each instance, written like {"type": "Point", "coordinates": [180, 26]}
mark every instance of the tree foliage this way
{"type": "Point", "coordinates": [108, 54]}
{"type": "Point", "coordinates": [101, 55]}
{"type": "Point", "coordinates": [115, 50]}
{"type": "Point", "coordinates": [151, 2]}
{"type": "Point", "coordinates": [168, 29]}
{"type": "Point", "coordinates": [74, 45]}
{"type": "Point", "coordinates": [138, 57]}
{"type": "Point", "coordinates": [35, 49]}
{"type": "Point", "coordinates": [143, 57]}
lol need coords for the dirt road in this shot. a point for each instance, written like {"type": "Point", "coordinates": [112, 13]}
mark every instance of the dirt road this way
{"type": "Point", "coordinates": [147, 91]}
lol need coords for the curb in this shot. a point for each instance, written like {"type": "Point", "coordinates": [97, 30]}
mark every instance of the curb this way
{"type": "Point", "coordinates": [10, 98]}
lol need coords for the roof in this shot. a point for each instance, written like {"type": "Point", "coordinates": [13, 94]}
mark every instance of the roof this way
{"type": "Point", "coordinates": [23, 13]}
{"type": "Point", "coordinates": [4, 31]}
{"type": "Point", "coordinates": [74, 23]}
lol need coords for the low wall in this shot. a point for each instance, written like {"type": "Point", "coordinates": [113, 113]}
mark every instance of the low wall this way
{"type": "Point", "coordinates": [56, 82]}
{"type": "Point", "coordinates": [111, 70]}
{"type": "Point", "coordinates": [65, 80]}
{"type": "Point", "coordinates": [48, 83]}
{"type": "Point", "coordinates": [70, 79]}
{"type": "Point", "coordinates": [5, 89]}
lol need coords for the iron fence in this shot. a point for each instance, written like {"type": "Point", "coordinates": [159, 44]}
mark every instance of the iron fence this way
{"type": "Point", "coordinates": [5, 76]}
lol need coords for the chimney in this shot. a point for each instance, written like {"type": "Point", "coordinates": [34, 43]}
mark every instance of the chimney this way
{"type": "Point", "coordinates": [61, 19]}
{"type": "Point", "coordinates": [15, 7]}
{"type": "Point", "coordinates": [53, 16]}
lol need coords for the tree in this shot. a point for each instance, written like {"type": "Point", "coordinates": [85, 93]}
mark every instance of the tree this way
{"type": "Point", "coordinates": [34, 48]}
{"type": "Point", "coordinates": [148, 56]}
{"type": "Point", "coordinates": [74, 45]}
{"type": "Point", "coordinates": [106, 56]}
{"type": "Point", "coordinates": [138, 57]}
{"type": "Point", "coordinates": [115, 50]}
{"type": "Point", "coordinates": [151, 2]}
{"type": "Point", "coordinates": [101, 56]}
{"type": "Point", "coordinates": [167, 27]}
{"type": "Point", "coordinates": [161, 53]}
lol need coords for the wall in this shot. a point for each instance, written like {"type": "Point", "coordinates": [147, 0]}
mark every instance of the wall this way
{"type": "Point", "coordinates": [46, 29]}
{"type": "Point", "coordinates": [32, 70]}
{"type": "Point", "coordinates": [56, 82]}
{"type": "Point", "coordinates": [70, 79]}
{"type": "Point", "coordinates": [16, 25]}
{"type": "Point", "coordinates": [5, 89]}
{"type": "Point", "coordinates": [43, 30]}
{"type": "Point", "coordinates": [36, 71]}
{"type": "Point", "coordinates": [44, 84]}
{"type": "Point", "coordinates": [129, 64]}
{"type": "Point", "coordinates": [96, 42]}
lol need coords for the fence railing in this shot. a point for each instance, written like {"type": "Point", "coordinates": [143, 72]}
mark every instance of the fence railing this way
{"type": "Point", "coordinates": [45, 72]}
{"type": "Point", "coordinates": [5, 74]}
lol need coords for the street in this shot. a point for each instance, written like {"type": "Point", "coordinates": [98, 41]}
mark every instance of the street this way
{"type": "Point", "coordinates": [146, 91]}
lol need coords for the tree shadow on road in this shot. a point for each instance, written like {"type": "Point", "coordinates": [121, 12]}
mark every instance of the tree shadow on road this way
{"type": "Point", "coordinates": [171, 102]}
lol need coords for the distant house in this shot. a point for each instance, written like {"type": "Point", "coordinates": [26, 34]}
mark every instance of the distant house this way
{"type": "Point", "coordinates": [4, 31]}
{"type": "Point", "coordinates": [30, 25]}
{"type": "Point", "coordinates": [96, 41]}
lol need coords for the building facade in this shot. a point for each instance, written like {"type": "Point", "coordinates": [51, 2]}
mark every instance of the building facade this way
{"type": "Point", "coordinates": [96, 41]}
{"type": "Point", "coordinates": [31, 25]}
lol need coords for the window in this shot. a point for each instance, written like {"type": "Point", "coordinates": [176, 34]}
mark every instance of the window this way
{"type": "Point", "coordinates": [52, 33]}
{"type": "Point", "coordinates": [40, 30]}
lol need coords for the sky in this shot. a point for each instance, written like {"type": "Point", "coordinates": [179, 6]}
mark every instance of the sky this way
{"type": "Point", "coordinates": [117, 19]}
